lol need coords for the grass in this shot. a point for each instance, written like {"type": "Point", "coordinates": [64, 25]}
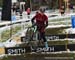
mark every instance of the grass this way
{"type": "Point", "coordinates": [61, 19]}
{"type": "Point", "coordinates": [56, 30]}
{"type": "Point", "coordinates": [5, 35]}
{"type": "Point", "coordinates": [39, 56]}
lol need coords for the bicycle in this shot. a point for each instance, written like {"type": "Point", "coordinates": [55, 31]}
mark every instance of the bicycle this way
{"type": "Point", "coordinates": [32, 38]}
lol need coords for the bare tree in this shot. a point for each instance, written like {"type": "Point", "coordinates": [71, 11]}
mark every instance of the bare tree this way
{"type": "Point", "coordinates": [6, 10]}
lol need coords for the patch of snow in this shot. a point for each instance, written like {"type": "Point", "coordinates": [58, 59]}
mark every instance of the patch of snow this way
{"type": "Point", "coordinates": [1, 44]}
{"type": "Point", "coordinates": [70, 30]}
{"type": "Point", "coordinates": [10, 43]}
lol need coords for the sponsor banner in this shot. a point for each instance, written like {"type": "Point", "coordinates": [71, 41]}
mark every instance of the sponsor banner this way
{"type": "Point", "coordinates": [53, 48]}
{"type": "Point", "coordinates": [71, 47]}
{"type": "Point", "coordinates": [17, 50]}
{"type": "Point", "coordinates": [57, 48]}
{"type": "Point", "coordinates": [53, 37]}
{"type": "Point", "coordinates": [60, 36]}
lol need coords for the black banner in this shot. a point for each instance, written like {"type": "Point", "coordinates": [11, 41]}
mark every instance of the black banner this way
{"type": "Point", "coordinates": [60, 36]}
{"type": "Point", "coordinates": [71, 47]}
{"type": "Point", "coordinates": [53, 37]}
{"type": "Point", "coordinates": [17, 50]}
{"type": "Point", "coordinates": [53, 48]}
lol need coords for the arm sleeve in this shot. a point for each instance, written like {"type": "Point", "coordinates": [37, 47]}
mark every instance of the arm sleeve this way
{"type": "Point", "coordinates": [46, 21]}
{"type": "Point", "coordinates": [32, 20]}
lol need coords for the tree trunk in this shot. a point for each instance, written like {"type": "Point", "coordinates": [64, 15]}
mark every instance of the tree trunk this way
{"type": "Point", "coordinates": [6, 10]}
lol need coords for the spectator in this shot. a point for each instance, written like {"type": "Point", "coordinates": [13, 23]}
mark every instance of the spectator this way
{"type": "Point", "coordinates": [28, 12]}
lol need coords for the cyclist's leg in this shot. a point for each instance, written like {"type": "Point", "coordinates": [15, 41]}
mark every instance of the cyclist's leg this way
{"type": "Point", "coordinates": [44, 38]}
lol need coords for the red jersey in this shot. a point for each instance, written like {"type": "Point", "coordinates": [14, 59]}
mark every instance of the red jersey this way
{"type": "Point", "coordinates": [41, 19]}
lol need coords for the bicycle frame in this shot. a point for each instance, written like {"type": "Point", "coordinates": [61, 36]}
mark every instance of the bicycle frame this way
{"type": "Point", "coordinates": [32, 33]}
{"type": "Point", "coordinates": [30, 37]}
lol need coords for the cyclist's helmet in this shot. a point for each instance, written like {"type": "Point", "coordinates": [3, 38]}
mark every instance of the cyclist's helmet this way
{"type": "Point", "coordinates": [42, 10]}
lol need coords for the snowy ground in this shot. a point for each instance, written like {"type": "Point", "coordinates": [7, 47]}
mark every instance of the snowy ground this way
{"type": "Point", "coordinates": [12, 43]}
{"type": "Point", "coordinates": [70, 30]}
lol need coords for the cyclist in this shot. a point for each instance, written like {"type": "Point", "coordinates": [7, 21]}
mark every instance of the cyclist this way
{"type": "Point", "coordinates": [41, 22]}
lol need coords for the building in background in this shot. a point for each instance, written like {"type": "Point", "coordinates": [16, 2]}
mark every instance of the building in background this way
{"type": "Point", "coordinates": [51, 4]}
{"type": "Point", "coordinates": [35, 4]}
